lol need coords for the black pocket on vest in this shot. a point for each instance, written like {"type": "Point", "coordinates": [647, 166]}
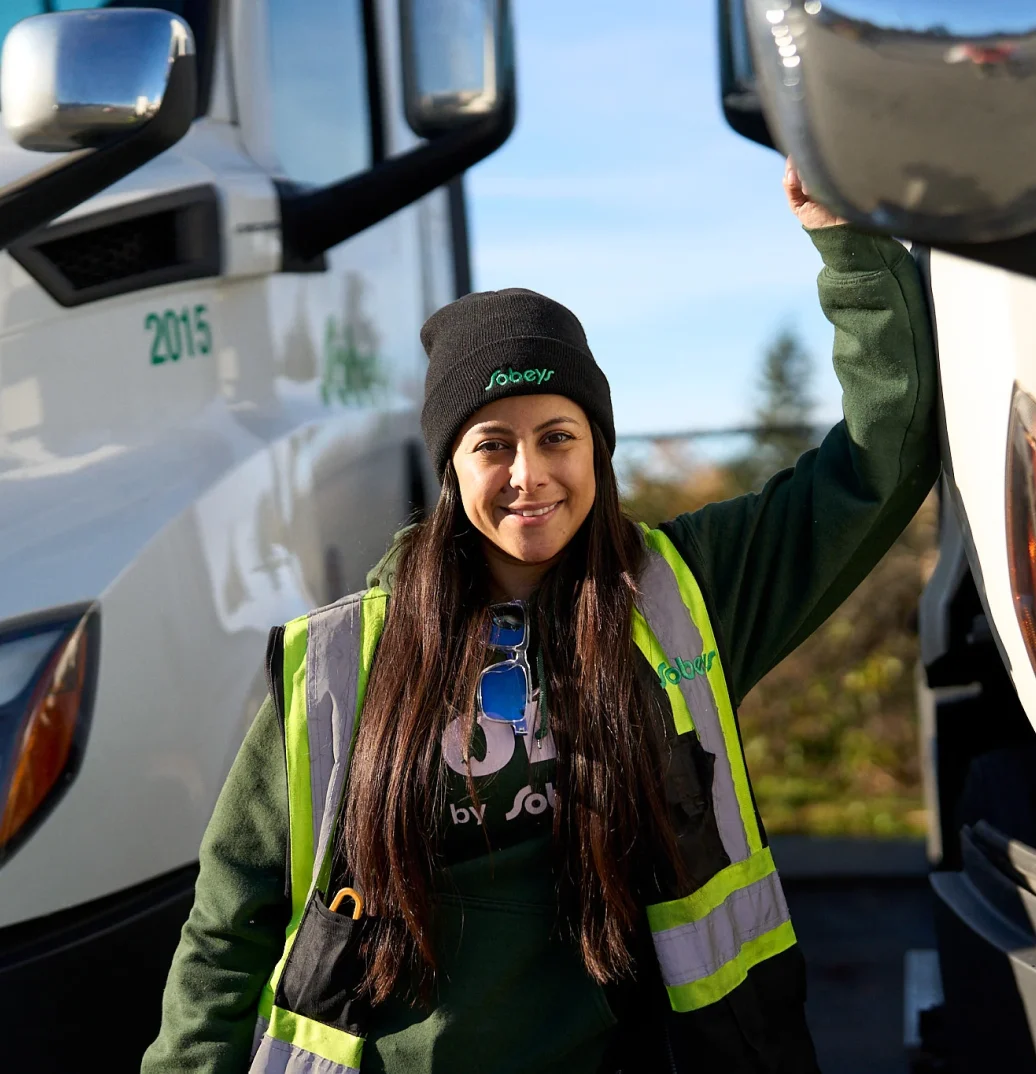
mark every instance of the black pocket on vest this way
{"type": "Point", "coordinates": [324, 971]}
{"type": "Point", "coordinates": [689, 793]}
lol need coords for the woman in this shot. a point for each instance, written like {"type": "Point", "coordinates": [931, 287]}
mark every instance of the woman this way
{"type": "Point", "coordinates": [542, 852]}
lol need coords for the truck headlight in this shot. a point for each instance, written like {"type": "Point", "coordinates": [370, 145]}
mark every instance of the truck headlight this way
{"type": "Point", "coordinates": [48, 673]}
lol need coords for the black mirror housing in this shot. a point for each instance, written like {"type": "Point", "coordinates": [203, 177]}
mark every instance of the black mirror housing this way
{"type": "Point", "coordinates": [739, 95]}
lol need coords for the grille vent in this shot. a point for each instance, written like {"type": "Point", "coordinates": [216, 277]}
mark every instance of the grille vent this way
{"type": "Point", "coordinates": [146, 244]}
{"type": "Point", "coordinates": [114, 252]}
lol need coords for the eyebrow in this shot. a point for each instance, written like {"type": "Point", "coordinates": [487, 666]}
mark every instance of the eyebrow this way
{"type": "Point", "coordinates": [497, 427]}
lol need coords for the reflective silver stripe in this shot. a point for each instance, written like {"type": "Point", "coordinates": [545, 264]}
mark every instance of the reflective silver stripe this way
{"type": "Point", "coordinates": [279, 1057]}
{"type": "Point", "coordinates": [690, 952]}
{"type": "Point", "coordinates": [666, 614]}
{"type": "Point", "coordinates": [261, 1025]}
{"type": "Point", "coordinates": [332, 675]}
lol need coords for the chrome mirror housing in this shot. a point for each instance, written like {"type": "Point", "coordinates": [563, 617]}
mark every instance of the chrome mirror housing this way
{"type": "Point", "coordinates": [108, 89]}
{"type": "Point", "coordinates": [457, 63]}
{"type": "Point", "coordinates": [79, 79]}
{"type": "Point", "coordinates": [912, 118]}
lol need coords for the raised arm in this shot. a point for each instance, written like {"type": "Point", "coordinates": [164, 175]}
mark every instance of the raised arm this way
{"type": "Point", "coordinates": [776, 564]}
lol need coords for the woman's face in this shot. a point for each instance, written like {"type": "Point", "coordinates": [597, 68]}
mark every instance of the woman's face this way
{"type": "Point", "coordinates": [525, 466]}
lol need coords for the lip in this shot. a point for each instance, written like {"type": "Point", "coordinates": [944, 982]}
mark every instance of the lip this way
{"type": "Point", "coordinates": [534, 520]}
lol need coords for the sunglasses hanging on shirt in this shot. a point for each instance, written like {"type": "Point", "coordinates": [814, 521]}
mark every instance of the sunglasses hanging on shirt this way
{"type": "Point", "coordinates": [505, 689]}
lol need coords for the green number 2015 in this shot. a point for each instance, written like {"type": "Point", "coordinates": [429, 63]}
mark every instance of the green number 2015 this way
{"type": "Point", "coordinates": [177, 334]}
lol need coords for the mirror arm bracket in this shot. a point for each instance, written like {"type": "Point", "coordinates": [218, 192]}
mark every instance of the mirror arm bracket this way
{"type": "Point", "coordinates": [312, 221]}
{"type": "Point", "coordinates": [36, 199]}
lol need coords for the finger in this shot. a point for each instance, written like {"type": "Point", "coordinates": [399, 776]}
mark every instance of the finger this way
{"type": "Point", "coordinates": [793, 187]}
{"type": "Point", "coordinates": [794, 180]}
{"type": "Point", "coordinates": [796, 199]}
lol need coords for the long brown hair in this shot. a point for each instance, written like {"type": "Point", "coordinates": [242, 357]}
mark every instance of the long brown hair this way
{"type": "Point", "coordinates": [609, 776]}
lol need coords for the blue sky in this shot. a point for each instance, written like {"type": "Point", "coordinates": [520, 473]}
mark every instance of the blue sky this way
{"type": "Point", "coordinates": [623, 194]}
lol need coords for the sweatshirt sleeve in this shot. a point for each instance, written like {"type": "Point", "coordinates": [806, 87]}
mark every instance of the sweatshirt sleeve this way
{"type": "Point", "coordinates": [235, 932]}
{"type": "Point", "coordinates": [775, 564]}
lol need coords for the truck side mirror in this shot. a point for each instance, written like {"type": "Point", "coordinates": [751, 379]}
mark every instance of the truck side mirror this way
{"type": "Point", "coordinates": [455, 65]}
{"type": "Point", "coordinates": [80, 79]}
{"type": "Point", "coordinates": [905, 119]}
{"type": "Point", "coordinates": [458, 79]}
{"type": "Point", "coordinates": [109, 88]}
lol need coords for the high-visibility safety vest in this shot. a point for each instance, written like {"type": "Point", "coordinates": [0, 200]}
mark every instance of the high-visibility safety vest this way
{"type": "Point", "coordinates": [707, 940]}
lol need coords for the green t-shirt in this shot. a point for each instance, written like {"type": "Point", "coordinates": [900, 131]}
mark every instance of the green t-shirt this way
{"type": "Point", "coordinates": [500, 900]}
{"type": "Point", "coordinates": [514, 785]}
{"type": "Point", "coordinates": [773, 566]}
{"type": "Point", "coordinates": [496, 883]}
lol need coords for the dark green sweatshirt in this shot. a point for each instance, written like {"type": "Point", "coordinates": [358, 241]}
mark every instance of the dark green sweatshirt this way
{"type": "Point", "coordinates": [774, 566]}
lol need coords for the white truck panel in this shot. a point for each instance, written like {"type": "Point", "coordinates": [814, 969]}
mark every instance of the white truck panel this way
{"type": "Point", "coordinates": [206, 499]}
{"type": "Point", "coordinates": [987, 342]}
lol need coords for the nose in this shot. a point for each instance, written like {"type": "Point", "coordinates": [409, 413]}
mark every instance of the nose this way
{"type": "Point", "coordinates": [528, 471]}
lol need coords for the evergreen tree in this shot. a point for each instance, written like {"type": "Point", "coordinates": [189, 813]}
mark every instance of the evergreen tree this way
{"type": "Point", "coordinates": [784, 409]}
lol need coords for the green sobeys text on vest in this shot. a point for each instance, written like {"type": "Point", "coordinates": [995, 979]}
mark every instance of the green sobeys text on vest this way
{"type": "Point", "coordinates": [687, 669]}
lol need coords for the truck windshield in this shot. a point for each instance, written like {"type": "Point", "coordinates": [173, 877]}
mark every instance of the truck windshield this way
{"type": "Point", "coordinates": [194, 12]}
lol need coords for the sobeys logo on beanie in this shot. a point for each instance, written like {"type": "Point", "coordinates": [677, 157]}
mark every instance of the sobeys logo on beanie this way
{"type": "Point", "coordinates": [500, 379]}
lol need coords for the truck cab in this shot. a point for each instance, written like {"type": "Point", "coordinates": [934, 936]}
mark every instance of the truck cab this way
{"type": "Point", "coordinates": [210, 377]}
{"type": "Point", "coordinates": [910, 119]}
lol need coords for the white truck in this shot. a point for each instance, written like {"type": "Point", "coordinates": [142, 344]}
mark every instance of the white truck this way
{"type": "Point", "coordinates": [210, 376]}
{"type": "Point", "coordinates": [914, 118]}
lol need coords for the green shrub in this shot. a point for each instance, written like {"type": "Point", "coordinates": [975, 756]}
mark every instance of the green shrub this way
{"type": "Point", "coordinates": [831, 732]}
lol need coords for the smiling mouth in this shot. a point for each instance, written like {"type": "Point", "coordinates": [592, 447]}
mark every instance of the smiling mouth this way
{"type": "Point", "coordinates": [532, 512]}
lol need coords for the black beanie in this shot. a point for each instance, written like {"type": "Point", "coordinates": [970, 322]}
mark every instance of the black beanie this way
{"type": "Point", "coordinates": [494, 343]}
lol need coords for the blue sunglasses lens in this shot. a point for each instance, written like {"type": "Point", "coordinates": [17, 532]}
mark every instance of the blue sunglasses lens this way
{"type": "Point", "coordinates": [502, 692]}
{"type": "Point", "coordinates": [507, 630]}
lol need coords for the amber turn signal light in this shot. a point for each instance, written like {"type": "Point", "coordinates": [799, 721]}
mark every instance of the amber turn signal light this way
{"type": "Point", "coordinates": [49, 720]}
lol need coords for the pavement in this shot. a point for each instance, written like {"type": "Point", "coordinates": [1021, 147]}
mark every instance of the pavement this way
{"type": "Point", "coordinates": [857, 907]}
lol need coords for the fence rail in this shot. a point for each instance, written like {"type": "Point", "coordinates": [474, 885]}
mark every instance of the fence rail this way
{"type": "Point", "coordinates": [799, 429]}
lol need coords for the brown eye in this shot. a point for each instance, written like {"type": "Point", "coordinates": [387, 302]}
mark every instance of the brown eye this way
{"type": "Point", "coordinates": [557, 437]}
{"type": "Point", "coordinates": [491, 445]}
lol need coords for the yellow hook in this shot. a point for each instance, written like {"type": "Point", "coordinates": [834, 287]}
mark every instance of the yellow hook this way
{"type": "Point", "coordinates": [349, 893]}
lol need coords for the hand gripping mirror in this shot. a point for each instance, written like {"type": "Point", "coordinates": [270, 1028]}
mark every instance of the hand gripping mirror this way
{"type": "Point", "coordinates": [912, 118]}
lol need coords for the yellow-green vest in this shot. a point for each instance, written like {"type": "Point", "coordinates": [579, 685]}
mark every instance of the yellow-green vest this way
{"type": "Point", "coordinates": [706, 942]}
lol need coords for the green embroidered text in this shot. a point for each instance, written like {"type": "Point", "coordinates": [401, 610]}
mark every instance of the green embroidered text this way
{"type": "Point", "coordinates": [686, 669]}
{"type": "Point", "coordinates": [500, 379]}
